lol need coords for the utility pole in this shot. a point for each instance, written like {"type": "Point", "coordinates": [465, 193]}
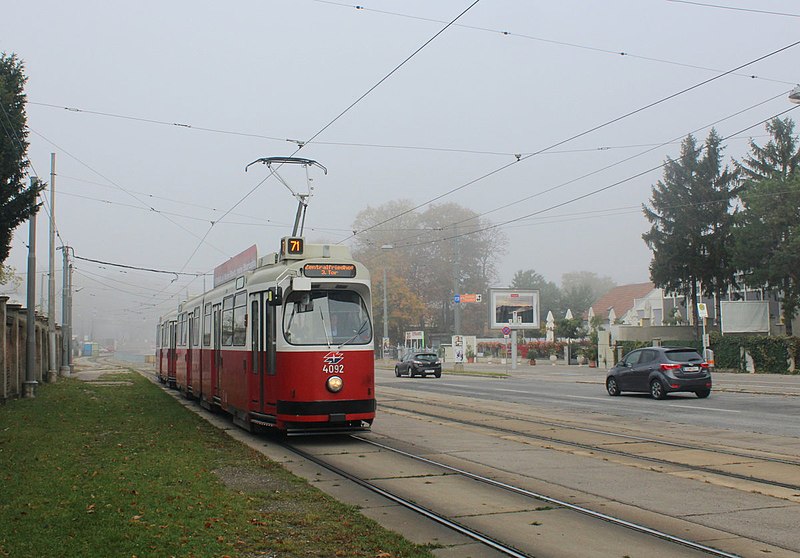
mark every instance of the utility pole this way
{"type": "Point", "coordinates": [68, 319]}
{"type": "Point", "coordinates": [66, 335]}
{"type": "Point", "coordinates": [29, 385]}
{"type": "Point", "coordinates": [456, 290]}
{"type": "Point", "coordinates": [52, 372]}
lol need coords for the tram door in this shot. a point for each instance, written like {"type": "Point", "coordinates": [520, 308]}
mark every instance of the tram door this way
{"type": "Point", "coordinates": [256, 379]}
{"type": "Point", "coordinates": [190, 327]}
{"type": "Point", "coordinates": [262, 379]}
{"type": "Point", "coordinates": [172, 354]}
{"type": "Point", "coordinates": [216, 356]}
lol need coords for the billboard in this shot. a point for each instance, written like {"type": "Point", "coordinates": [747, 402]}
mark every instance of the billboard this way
{"type": "Point", "coordinates": [236, 266]}
{"type": "Point", "coordinates": [741, 316]}
{"type": "Point", "coordinates": [517, 309]}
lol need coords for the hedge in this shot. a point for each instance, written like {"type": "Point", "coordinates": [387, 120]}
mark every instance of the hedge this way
{"type": "Point", "coordinates": [771, 354]}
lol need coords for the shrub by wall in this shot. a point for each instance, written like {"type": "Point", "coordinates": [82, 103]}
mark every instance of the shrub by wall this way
{"type": "Point", "coordinates": [770, 354]}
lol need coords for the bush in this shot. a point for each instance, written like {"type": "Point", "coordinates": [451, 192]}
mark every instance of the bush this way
{"type": "Point", "coordinates": [770, 354]}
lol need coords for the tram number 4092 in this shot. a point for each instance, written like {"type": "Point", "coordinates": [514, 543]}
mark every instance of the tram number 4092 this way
{"type": "Point", "coordinates": [333, 368]}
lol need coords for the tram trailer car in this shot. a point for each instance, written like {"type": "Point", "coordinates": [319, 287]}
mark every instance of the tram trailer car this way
{"type": "Point", "coordinates": [287, 345]}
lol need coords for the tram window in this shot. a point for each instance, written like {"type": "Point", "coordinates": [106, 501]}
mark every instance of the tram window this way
{"type": "Point", "coordinates": [227, 321]}
{"type": "Point", "coordinates": [181, 325]}
{"type": "Point", "coordinates": [196, 327]}
{"type": "Point", "coordinates": [337, 318]}
{"type": "Point", "coordinates": [240, 319]}
{"type": "Point", "coordinates": [207, 325]}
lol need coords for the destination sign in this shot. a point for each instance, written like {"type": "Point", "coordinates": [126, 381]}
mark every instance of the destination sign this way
{"type": "Point", "coordinates": [329, 270]}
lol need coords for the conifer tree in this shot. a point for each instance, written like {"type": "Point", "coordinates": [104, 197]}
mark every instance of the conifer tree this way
{"type": "Point", "coordinates": [691, 223]}
{"type": "Point", "coordinates": [17, 199]}
{"type": "Point", "coordinates": [779, 159]}
{"type": "Point", "coordinates": [767, 236]}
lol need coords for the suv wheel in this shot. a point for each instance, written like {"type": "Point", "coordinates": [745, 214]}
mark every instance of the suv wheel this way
{"type": "Point", "coordinates": [397, 371]}
{"type": "Point", "coordinates": [611, 386]}
{"type": "Point", "coordinates": [657, 389]}
{"type": "Point", "coordinates": [703, 393]}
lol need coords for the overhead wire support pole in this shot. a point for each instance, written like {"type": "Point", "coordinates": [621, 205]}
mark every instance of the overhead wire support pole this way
{"type": "Point", "coordinates": [69, 315]}
{"type": "Point", "coordinates": [52, 371]}
{"type": "Point", "coordinates": [65, 316]}
{"type": "Point", "coordinates": [29, 385]}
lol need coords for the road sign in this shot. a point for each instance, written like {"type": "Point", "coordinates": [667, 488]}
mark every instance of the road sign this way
{"type": "Point", "coordinates": [506, 330]}
{"type": "Point", "coordinates": [470, 298]}
{"type": "Point", "coordinates": [457, 299]}
{"type": "Point", "coordinates": [702, 310]}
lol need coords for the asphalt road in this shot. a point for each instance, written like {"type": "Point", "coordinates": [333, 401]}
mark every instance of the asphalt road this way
{"type": "Point", "coordinates": [753, 404]}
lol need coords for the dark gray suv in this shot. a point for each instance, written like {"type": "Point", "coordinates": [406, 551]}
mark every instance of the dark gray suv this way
{"type": "Point", "coordinates": [659, 371]}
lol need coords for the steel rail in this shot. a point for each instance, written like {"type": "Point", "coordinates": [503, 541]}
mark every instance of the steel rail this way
{"type": "Point", "coordinates": [620, 453]}
{"type": "Point", "coordinates": [633, 437]}
{"type": "Point", "coordinates": [471, 533]}
{"type": "Point", "coordinates": [549, 500]}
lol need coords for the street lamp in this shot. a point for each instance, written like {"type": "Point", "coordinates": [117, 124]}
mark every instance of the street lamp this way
{"type": "Point", "coordinates": [794, 96]}
{"type": "Point", "coordinates": [385, 340]}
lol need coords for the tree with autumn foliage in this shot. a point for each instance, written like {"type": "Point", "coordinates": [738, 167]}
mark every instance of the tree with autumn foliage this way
{"type": "Point", "coordinates": [429, 255]}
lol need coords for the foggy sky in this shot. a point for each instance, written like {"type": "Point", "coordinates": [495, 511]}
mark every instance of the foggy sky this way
{"type": "Point", "coordinates": [175, 98]}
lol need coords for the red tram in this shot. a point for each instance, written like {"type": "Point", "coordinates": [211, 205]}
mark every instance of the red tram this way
{"type": "Point", "coordinates": [283, 341]}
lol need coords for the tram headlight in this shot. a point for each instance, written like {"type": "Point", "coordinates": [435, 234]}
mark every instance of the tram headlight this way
{"type": "Point", "coordinates": [334, 384]}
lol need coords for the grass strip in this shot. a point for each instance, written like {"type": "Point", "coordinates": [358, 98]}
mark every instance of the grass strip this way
{"type": "Point", "coordinates": [122, 470]}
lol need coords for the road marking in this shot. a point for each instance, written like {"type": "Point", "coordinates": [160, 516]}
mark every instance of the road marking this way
{"type": "Point", "coordinates": [705, 408]}
{"type": "Point", "coordinates": [512, 390]}
{"type": "Point", "coordinates": [585, 397]}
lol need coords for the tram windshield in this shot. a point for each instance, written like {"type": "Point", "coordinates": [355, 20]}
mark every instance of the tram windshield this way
{"type": "Point", "coordinates": [326, 317]}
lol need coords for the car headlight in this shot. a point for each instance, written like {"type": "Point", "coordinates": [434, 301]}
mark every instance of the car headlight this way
{"type": "Point", "coordinates": [334, 384]}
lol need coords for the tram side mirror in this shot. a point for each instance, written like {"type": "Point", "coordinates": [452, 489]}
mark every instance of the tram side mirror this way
{"type": "Point", "coordinates": [275, 296]}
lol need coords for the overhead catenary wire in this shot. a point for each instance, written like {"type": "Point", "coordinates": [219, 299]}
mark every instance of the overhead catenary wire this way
{"type": "Point", "coordinates": [435, 149]}
{"type": "Point", "coordinates": [302, 144]}
{"type": "Point", "coordinates": [151, 270]}
{"type": "Point", "coordinates": [577, 198]}
{"type": "Point", "coordinates": [734, 8]}
{"type": "Point", "coordinates": [576, 136]}
{"type": "Point", "coordinates": [507, 33]}
{"type": "Point", "coordinates": [122, 189]}
{"type": "Point", "coordinates": [609, 166]}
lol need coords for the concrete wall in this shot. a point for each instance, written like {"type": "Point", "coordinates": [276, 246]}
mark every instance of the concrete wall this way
{"type": "Point", "coordinates": [648, 333]}
{"type": "Point", "coordinates": [13, 353]}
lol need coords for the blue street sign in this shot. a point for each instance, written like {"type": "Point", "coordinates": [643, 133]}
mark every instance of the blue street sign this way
{"type": "Point", "coordinates": [457, 299]}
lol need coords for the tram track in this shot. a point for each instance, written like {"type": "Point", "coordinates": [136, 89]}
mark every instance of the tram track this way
{"type": "Point", "coordinates": [407, 503]}
{"type": "Point", "coordinates": [497, 541]}
{"type": "Point", "coordinates": [480, 422]}
{"type": "Point", "coordinates": [489, 540]}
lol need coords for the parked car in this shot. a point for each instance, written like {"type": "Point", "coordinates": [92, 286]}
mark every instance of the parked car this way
{"type": "Point", "coordinates": [419, 364]}
{"type": "Point", "coordinates": [659, 371]}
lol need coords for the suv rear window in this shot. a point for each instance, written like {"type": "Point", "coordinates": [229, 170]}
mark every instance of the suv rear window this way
{"type": "Point", "coordinates": [684, 356]}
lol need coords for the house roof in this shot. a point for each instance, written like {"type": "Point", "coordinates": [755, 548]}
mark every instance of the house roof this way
{"type": "Point", "coordinates": [621, 299]}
